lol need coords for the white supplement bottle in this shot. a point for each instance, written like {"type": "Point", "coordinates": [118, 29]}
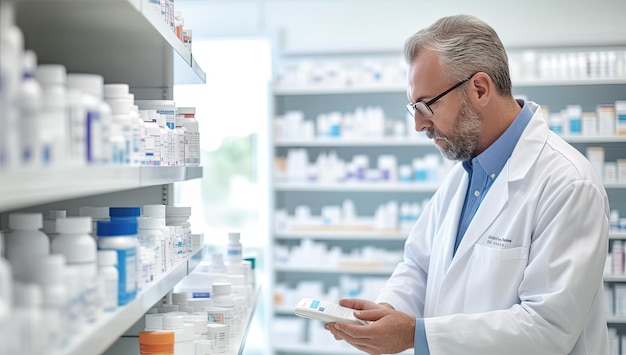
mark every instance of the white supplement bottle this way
{"type": "Point", "coordinates": [25, 242]}
{"type": "Point", "coordinates": [28, 321]}
{"type": "Point", "coordinates": [177, 217]}
{"type": "Point", "coordinates": [158, 212]}
{"type": "Point", "coordinates": [121, 236]}
{"type": "Point", "coordinates": [30, 104]}
{"type": "Point", "coordinates": [79, 249]}
{"type": "Point", "coordinates": [109, 278]}
{"type": "Point", "coordinates": [54, 124]}
{"type": "Point", "coordinates": [50, 222]}
{"type": "Point", "coordinates": [192, 151]}
{"type": "Point", "coordinates": [234, 249]}
{"type": "Point", "coordinates": [49, 273]}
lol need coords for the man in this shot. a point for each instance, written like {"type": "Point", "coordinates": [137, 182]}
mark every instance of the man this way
{"type": "Point", "coordinates": [508, 256]}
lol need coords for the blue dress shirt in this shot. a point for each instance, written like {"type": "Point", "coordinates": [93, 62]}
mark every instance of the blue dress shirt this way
{"type": "Point", "coordinates": [482, 171]}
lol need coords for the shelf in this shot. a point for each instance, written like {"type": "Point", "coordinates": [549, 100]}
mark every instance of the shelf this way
{"type": "Point", "coordinates": [124, 40]}
{"type": "Point", "coordinates": [595, 139]}
{"type": "Point", "coordinates": [97, 337]}
{"type": "Point", "coordinates": [356, 186]}
{"type": "Point", "coordinates": [616, 320]}
{"type": "Point", "coordinates": [617, 235]}
{"type": "Point", "coordinates": [614, 278]}
{"type": "Point", "coordinates": [281, 90]}
{"type": "Point", "coordinates": [336, 270]}
{"type": "Point", "coordinates": [357, 142]}
{"type": "Point", "coordinates": [568, 82]}
{"type": "Point", "coordinates": [318, 350]}
{"type": "Point", "coordinates": [329, 234]}
{"type": "Point", "coordinates": [338, 89]}
{"type": "Point", "coordinates": [22, 188]}
{"type": "Point", "coordinates": [615, 185]}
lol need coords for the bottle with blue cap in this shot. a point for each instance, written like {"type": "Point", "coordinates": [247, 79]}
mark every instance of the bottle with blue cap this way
{"type": "Point", "coordinates": [121, 236]}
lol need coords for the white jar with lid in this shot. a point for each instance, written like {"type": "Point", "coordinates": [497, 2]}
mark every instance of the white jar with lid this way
{"type": "Point", "coordinates": [192, 151]}
{"type": "Point", "coordinates": [54, 127]}
{"type": "Point", "coordinates": [28, 322]}
{"type": "Point", "coordinates": [80, 251]}
{"type": "Point", "coordinates": [48, 272]}
{"type": "Point", "coordinates": [178, 217]}
{"type": "Point", "coordinates": [25, 242]}
{"type": "Point", "coordinates": [97, 124]}
{"type": "Point", "coordinates": [108, 279]}
{"type": "Point", "coordinates": [150, 234]}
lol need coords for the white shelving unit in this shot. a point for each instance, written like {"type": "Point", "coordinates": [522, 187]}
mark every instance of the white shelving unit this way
{"type": "Point", "coordinates": [97, 337]}
{"type": "Point", "coordinates": [125, 41]}
{"type": "Point", "coordinates": [322, 99]}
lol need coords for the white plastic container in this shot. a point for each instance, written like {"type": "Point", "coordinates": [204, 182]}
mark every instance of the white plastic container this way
{"type": "Point", "coordinates": [234, 249]}
{"type": "Point", "coordinates": [25, 242]}
{"type": "Point", "coordinates": [30, 106]}
{"type": "Point", "coordinates": [166, 109]}
{"type": "Point", "coordinates": [150, 234]}
{"type": "Point", "coordinates": [49, 273]}
{"type": "Point", "coordinates": [109, 279]}
{"type": "Point", "coordinates": [192, 150]}
{"type": "Point", "coordinates": [98, 123]}
{"type": "Point", "coordinates": [182, 142]}
{"type": "Point", "coordinates": [151, 139]}
{"type": "Point", "coordinates": [54, 126]}
{"type": "Point", "coordinates": [176, 323]}
{"type": "Point", "coordinates": [218, 333]}
{"type": "Point", "coordinates": [178, 218]}
{"type": "Point", "coordinates": [121, 236]}
{"type": "Point", "coordinates": [158, 212]}
{"type": "Point", "coordinates": [80, 250]}
{"type": "Point", "coordinates": [28, 322]}
{"type": "Point", "coordinates": [11, 49]}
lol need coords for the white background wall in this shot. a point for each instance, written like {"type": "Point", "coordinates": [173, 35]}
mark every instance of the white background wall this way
{"type": "Point", "coordinates": [318, 26]}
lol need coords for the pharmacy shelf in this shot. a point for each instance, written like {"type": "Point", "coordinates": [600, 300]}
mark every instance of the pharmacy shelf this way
{"type": "Point", "coordinates": [281, 90]}
{"type": "Point", "coordinates": [616, 320]}
{"type": "Point", "coordinates": [97, 337]}
{"type": "Point", "coordinates": [617, 235]}
{"type": "Point", "coordinates": [354, 142]}
{"type": "Point", "coordinates": [354, 270]}
{"type": "Point", "coordinates": [104, 36]}
{"type": "Point", "coordinates": [567, 82]}
{"type": "Point", "coordinates": [330, 233]}
{"type": "Point", "coordinates": [241, 339]}
{"type": "Point", "coordinates": [319, 350]}
{"type": "Point", "coordinates": [338, 89]}
{"type": "Point", "coordinates": [614, 278]}
{"type": "Point", "coordinates": [615, 185]}
{"type": "Point", "coordinates": [595, 139]}
{"type": "Point", "coordinates": [356, 186]}
{"type": "Point", "coordinates": [22, 188]}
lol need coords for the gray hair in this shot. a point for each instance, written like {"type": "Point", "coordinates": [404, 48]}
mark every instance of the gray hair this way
{"type": "Point", "coordinates": [466, 45]}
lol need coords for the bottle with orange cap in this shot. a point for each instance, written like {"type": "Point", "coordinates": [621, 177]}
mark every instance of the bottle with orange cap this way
{"type": "Point", "coordinates": [156, 343]}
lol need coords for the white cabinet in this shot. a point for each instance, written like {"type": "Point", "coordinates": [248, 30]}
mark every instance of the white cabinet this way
{"type": "Point", "coordinates": [126, 41]}
{"type": "Point", "coordinates": [304, 270]}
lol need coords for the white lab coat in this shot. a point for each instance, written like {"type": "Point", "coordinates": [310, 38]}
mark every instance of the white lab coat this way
{"type": "Point", "coordinates": [527, 275]}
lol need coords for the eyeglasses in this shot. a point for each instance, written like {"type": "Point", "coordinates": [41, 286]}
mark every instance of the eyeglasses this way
{"type": "Point", "coordinates": [424, 107]}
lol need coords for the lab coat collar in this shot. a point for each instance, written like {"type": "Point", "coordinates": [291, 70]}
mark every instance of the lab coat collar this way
{"type": "Point", "coordinates": [523, 157]}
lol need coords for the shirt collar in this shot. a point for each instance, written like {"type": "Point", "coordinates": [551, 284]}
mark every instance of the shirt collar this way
{"type": "Point", "coordinates": [492, 160]}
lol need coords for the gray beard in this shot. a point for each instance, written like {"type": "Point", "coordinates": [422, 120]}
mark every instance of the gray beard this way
{"type": "Point", "coordinates": [461, 143]}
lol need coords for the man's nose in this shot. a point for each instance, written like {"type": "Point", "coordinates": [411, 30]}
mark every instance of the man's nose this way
{"type": "Point", "coordinates": [421, 123]}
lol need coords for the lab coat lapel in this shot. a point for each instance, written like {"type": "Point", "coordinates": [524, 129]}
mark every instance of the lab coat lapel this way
{"type": "Point", "coordinates": [449, 230]}
{"type": "Point", "coordinates": [487, 212]}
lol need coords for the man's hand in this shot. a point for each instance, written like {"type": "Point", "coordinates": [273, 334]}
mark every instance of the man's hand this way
{"type": "Point", "coordinates": [388, 332]}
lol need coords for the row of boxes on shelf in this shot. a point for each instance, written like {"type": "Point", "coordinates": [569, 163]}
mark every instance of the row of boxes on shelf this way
{"type": "Point", "coordinates": [51, 118]}
{"type": "Point", "coordinates": [310, 253]}
{"type": "Point", "coordinates": [208, 309]}
{"type": "Point", "coordinates": [524, 65]}
{"type": "Point", "coordinates": [174, 19]}
{"type": "Point", "coordinates": [390, 216]}
{"type": "Point", "coordinates": [363, 122]}
{"type": "Point", "coordinates": [328, 167]}
{"type": "Point", "coordinates": [56, 281]}
{"type": "Point", "coordinates": [607, 120]}
{"type": "Point", "coordinates": [609, 172]}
